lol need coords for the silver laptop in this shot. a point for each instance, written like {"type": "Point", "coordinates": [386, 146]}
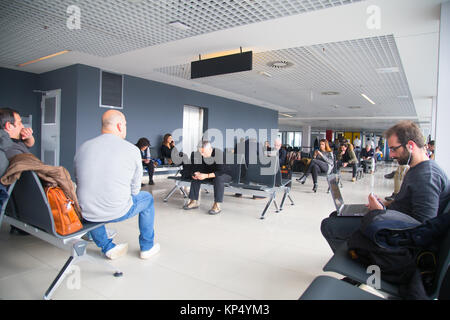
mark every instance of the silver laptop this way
{"type": "Point", "coordinates": [347, 210]}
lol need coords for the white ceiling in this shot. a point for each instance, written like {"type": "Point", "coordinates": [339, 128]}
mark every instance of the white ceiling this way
{"type": "Point", "coordinates": [328, 42]}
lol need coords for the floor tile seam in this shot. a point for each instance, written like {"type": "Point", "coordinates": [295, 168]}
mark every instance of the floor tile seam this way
{"type": "Point", "coordinates": [201, 280]}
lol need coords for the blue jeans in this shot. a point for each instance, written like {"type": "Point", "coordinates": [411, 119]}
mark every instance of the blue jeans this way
{"type": "Point", "coordinates": [142, 205]}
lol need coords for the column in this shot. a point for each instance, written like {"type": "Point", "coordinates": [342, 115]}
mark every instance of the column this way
{"type": "Point", "coordinates": [443, 98]}
{"type": "Point", "coordinates": [306, 138]}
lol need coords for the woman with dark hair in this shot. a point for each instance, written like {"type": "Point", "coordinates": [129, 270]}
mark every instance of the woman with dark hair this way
{"type": "Point", "coordinates": [144, 146]}
{"type": "Point", "coordinates": [323, 161]}
{"type": "Point", "coordinates": [166, 149]}
{"type": "Point", "coordinates": [346, 158]}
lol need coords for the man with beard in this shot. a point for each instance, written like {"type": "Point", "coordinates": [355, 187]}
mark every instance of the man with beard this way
{"type": "Point", "coordinates": [424, 190]}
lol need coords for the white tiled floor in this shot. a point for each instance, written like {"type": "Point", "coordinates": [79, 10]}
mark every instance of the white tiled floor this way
{"type": "Point", "coordinates": [233, 255]}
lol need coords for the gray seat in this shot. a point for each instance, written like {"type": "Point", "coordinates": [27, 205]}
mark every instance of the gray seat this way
{"type": "Point", "coordinates": [27, 209]}
{"type": "Point", "coordinates": [260, 180]}
{"type": "Point", "coordinates": [343, 264]}
{"type": "Point", "coordinates": [328, 288]}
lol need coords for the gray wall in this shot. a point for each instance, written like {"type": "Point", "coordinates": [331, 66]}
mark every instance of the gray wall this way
{"type": "Point", "coordinates": [16, 92]}
{"type": "Point", "coordinates": [151, 108]}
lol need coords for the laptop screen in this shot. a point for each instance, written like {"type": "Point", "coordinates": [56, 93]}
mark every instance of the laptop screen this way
{"type": "Point", "coordinates": [336, 192]}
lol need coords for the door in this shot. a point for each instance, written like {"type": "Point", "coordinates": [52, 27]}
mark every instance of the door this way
{"type": "Point", "coordinates": [50, 128]}
{"type": "Point", "coordinates": [192, 128]}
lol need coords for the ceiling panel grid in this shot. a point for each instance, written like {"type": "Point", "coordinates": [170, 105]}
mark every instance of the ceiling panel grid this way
{"type": "Point", "coordinates": [111, 27]}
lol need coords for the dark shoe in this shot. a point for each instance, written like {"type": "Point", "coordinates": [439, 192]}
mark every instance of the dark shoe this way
{"type": "Point", "coordinates": [151, 183]}
{"type": "Point", "coordinates": [302, 179]}
{"type": "Point", "coordinates": [17, 231]}
{"type": "Point", "coordinates": [215, 209]}
{"type": "Point", "coordinates": [315, 187]}
{"type": "Point", "coordinates": [390, 175]}
{"type": "Point", "coordinates": [351, 281]}
{"type": "Point", "coordinates": [238, 195]}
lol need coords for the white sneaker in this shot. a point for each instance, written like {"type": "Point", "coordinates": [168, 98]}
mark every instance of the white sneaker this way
{"type": "Point", "coordinates": [149, 253]}
{"type": "Point", "coordinates": [117, 252]}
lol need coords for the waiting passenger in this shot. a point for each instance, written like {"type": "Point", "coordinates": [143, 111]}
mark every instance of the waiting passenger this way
{"type": "Point", "coordinates": [15, 139]}
{"type": "Point", "coordinates": [282, 152]}
{"type": "Point", "coordinates": [212, 168]}
{"type": "Point", "coordinates": [166, 149]}
{"type": "Point", "coordinates": [323, 161]}
{"type": "Point", "coordinates": [21, 137]}
{"type": "Point", "coordinates": [378, 154]}
{"type": "Point", "coordinates": [430, 149]}
{"type": "Point", "coordinates": [368, 158]}
{"type": "Point", "coordinates": [422, 195]}
{"type": "Point", "coordinates": [109, 184]}
{"type": "Point", "coordinates": [347, 158]}
{"type": "Point", "coordinates": [144, 146]}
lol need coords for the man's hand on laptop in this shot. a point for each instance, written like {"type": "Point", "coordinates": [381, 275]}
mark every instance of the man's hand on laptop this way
{"type": "Point", "coordinates": [375, 203]}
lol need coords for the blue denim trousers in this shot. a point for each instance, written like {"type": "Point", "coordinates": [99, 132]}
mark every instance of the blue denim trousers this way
{"type": "Point", "coordinates": [142, 205]}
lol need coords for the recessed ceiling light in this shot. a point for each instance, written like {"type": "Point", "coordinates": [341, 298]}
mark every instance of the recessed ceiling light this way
{"type": "Point", "coordinates": [367, 98]}
{"type": "Point", "coordinates": [286, 115]}
{"type": "Point", "coordinates": [179, 25]}
{"type": "Point", "coordinates": [329, 93]}
{"type": "Point", "coordinates": [264, 73]}
{"type": "Point", "coordinates": [280, 64]}
{"type": "Point", "coordinates": [43, 58]}
{"type": "Point", "coordinates": [387, 70]}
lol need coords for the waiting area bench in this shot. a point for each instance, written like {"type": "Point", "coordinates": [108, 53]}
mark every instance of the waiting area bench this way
{"type": "Point", "coordinates": [27, 209]}
{"type": "Point", "coordinates": [256, 182]}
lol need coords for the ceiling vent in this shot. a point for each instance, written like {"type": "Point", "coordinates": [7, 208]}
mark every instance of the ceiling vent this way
{"type": "Point", "coordinates": [280, 64]}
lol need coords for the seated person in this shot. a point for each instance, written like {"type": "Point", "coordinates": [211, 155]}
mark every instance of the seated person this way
{"type": "Point", "coordinates": [212, 168]}
{"type": "Point", "coordinates": [422, 195]}
{"type": "Point", "coordinates": [166, 149]}
{"type": "Point", "coordinates": [347, 158]}
{"type": "Point", "coordinates": [368, 158]}
{"type": "Point", "coordinates": [109, 188]}
{"type": "Point", "coordinates": [430, 150]}
{"type": "Point", "coordinates": [21, 137]}
{"type": "Point", "coordinates": [323, 160]}
{"type": "Point", "coordinates": [378, 154]}
{"type": "Point", "coordinates": [15, 139]}
{"type": "Point", "coordinates": [144, 146]}
{"type": "Point", "coordinates": [282, 152]}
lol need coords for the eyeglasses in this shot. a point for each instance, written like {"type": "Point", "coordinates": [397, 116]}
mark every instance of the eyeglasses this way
{"type": "Point", "coordinates": [395, 148]}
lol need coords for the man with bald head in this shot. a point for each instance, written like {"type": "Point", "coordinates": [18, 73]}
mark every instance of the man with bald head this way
{"type": "Point", "coordinates": [108, 172]}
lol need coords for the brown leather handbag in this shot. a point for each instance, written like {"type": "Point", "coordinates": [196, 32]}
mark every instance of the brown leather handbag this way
{"type": "Point", "coordinates": [64, 215]}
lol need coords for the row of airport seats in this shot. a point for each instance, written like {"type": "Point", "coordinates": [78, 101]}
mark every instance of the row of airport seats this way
{"type": "Point", "coordinates": [329, 288]}
{"type": "Point", "coordinates": [263, 180]}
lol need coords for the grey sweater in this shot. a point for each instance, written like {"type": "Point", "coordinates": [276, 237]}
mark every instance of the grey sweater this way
{"type": "Point", "coordinates": [108, 171]}
{"type": "Point", "coordinates": [424, 193]}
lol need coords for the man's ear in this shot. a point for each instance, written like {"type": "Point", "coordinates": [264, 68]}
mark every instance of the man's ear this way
{"type": "Point", "coordinates": [7, 126]}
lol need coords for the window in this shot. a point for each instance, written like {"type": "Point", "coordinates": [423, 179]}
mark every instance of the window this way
{"type": "Point", "coordinates": [291, 138]}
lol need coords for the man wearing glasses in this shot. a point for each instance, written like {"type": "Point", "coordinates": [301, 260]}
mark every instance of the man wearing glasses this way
{"type": "Point", "coordinates": [424, 191]}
